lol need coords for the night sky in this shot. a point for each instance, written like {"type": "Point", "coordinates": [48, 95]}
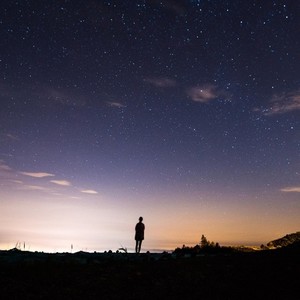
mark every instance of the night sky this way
{"type": "Point", "coordinates": [184, 112]}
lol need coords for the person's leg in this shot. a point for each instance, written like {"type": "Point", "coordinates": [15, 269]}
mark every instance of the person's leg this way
{"type": "Point", "coordinates": [140, 245]}
{"type": "Point", "coordinates": [136, 246]}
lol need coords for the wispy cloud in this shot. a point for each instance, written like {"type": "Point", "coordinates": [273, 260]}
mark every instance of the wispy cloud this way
{"type": "Point", "coordinates": [17, 181]}
{"type": "Point", "coordinates": [4, 167]}
{"type": "Point", "coordinates": [37, 174]}
{"type": "Point", "coordinates": [64, 97]}
{"type": "Point", "coordinates": [89, 192]}
{"type": "Point", "coordinates": [115, 104]}
{"type": "Point", "coordinates": [7, 174]}
{"type": "Point", "coordinates": [295, 189]}
{"type": "Point", "coordinates": [9, 136]}
{"type": "Point", "coordinates": [35, 188]}
{"type": "Point", "coordinates": [203, 94]}
{"type": "Point", "coordinates": [283, 103]}
{"type": "Point", "coordinates": [12, 177]}
{"type": "Point", "coordinates": [46, 95]}
{"type": "Point", "coordinates": [12, 137]}
{"type": "Point", "coordinates": [61, 182]}
{"type": "Point", "coordinates": [162, 82]}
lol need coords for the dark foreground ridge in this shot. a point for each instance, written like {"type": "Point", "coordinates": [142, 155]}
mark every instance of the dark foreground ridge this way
{"type": "Point", "coordinates": [270, 274]}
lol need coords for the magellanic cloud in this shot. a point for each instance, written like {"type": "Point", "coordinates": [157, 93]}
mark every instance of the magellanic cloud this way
{"type": "Point", "coordinates": [283, 103]}
{"type": "Point", "coordinates": [295, 189]}
{"type": "Point", "coordinates": [89, 192]}
{"type": "Point", "coordinates": [61, 182]}
{"type": "Point", "coordinates": [37, 174]}
{"type": "Point", "coordinates": [204, 93]}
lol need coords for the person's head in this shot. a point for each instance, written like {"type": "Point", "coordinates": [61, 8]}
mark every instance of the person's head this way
{"type": "Point", "coordinates": [140, 219]}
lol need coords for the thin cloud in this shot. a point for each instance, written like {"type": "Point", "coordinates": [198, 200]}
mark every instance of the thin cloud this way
{"type": "Point", "coordinates": [37, 175]}
{"type": "Point", "coordinates": [9, 136]}
{"type": "Point", "coordinates": [295, 189]}
{"type": "Point", "coordinates": [161, 82]}
{"type": "Point", "coordinates": [35, 188]}
{"type": "Point", "coordinates": [115, 104]}
{"type": "Point", "coordinates": [89, 192]}
{"type": "Point", "coordinates": [63, 97]}
{"type": "Point", "coordinates": [17, 181]}
{"type": "Point", "coordinates": [281, 104]}
{"type": "Point", "coordinates": [4, 167]}
{"type": "Point", "coordinates": [12, 137]}
{"type": "Point", "coordinates": [6, 173]}
{"type": "Point", "coordinates": [46, 95]}
{"type": "Point", "coordinates": [39, 188]}
{"type": "Point", "coordinates": [61, 182]}
{"type": "Point", "coordinates": [203, 94]}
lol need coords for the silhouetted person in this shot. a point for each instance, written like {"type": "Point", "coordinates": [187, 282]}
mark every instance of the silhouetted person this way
{"type": "Point", "coordinates": [139, 235]}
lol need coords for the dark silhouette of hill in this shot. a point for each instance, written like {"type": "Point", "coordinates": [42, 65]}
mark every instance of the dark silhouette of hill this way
{"type": "Point", "coordinates": [207, 272]}
{"type": "Point", "coordinates": [286, 240]}
{"type": "Point", "coordinates": [293, 249]}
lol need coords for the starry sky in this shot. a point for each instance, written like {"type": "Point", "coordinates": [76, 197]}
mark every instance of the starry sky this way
{"type": "Point", "coordinates": [184, 112]}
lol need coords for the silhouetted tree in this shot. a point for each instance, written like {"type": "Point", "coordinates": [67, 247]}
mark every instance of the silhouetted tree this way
{"type": "Point", "coordinates": [206, 245]}
{"type": "Point", "coordinates": [204, 242]}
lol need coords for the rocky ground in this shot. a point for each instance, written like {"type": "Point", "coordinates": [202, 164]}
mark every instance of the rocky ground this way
{"type": "Point", "coordinates": [257, 275]}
